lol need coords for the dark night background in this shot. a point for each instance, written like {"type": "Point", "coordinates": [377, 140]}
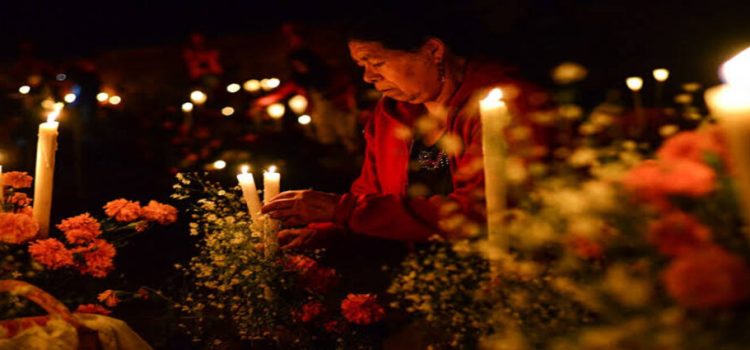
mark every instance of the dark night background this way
{"type": "Point", "coordinates": [136, 47]}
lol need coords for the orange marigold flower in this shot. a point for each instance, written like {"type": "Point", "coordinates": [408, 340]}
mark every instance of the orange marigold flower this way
{"type": "Point", "coordinates": [97, 258]}
{"type": "Point", "coordinates": [17, 179]}
{"type": "Point", "coordinates": [123, 210]}
{"type": "Point", "coordinates": [677, 233]}
{"type": "Point", "coordinates": [109, 298]}
{"type": "Point", "coordinates": [707, 278]}
{"type": "Point", "coordinates": [17, 228]}
{"type": "Point", "coordinates": [164, 214]}
{"type": "Point", "coordinates": [80, 229]}
{"type": "Point", "coordinates": [20, 199]}
{"type": "Point", "coordinates": [93, 309]}
{"type": "Point", "coordinates": [654, 180]}
{"type": "Point", "coordinates": [27, 210]}
{"type": "Point", "coordinates": [690, 145]}
{"type": "Point", "coordinates": [51, 253]}
{"type": "Point", "coordinates": [362, 309]}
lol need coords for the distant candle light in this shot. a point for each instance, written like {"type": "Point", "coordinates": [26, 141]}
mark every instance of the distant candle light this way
{"type": "Point", "coordinates": [634, 83]}
{"type": "Point", "coordinates": [187, 107]}
{"type": "Point", "coordinates": [233, 87]}
{"type": "Point", "coordinates": [25, 89]}
{"type": "Point", "coordinates": [220, 164]}
{"type": "Point", "coordinates": [70, 98]}
{"type": "Point", "coordinates": [227, 111]}
{"type": "Point", "coordinates": [251, 85]}
{"type": "Point", "coordinates": [661, 74]}
{"type": "Point", "coordinates": [115, 100]}
{"type": "Point", "coordinates": [102, 97]}
{"type": "Point", "coordinates": [276, 110]}
{"type": "Point", "coordinates": [198, 97]}
{"type": "Point", "coordinates": [304, 119]}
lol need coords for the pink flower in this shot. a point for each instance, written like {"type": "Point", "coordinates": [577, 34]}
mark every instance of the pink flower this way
{"type": "Point", "coordinates": [80, 229]}
{"type": "Point", "coordinates": [708, 277]}
{"type": "Point", "coordinates": [17, 228]}
{"type": "Point", "coordinates": [17, 179]}
{"type": "Point", "coordinates": [51, 253]}
{"type": "Point", "coordinates": [123, 210]}
{"type": "Point", "coordinates": [92, 309]}
{"type": "Point", "coordinates": [362, 309]}
{"type": "Point", "coordinates": [164, 214]}
{"type": "Point", "coordinates": [677, 233]}
{"type": "Point", "coordinates": [97, 258]}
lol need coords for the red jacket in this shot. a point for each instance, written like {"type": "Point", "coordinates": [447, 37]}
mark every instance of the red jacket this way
{"type": "Point", "coordinates": [377, 204]}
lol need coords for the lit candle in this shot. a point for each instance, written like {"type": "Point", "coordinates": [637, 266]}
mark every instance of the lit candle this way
{"type": "Point", "coordinates": [635, 84]}
{"type": "Point", "coordinates": [271, 184]}
{"type": "Point", "coordinates": [660, 75]}
{"type": "Point", "coordinates": [45, 171]}
{"type": "Point", "coordinates": [2, 190]}
{"type": "Point", "coordinates": [730, 105]}
{"type": "Point", "coordinates": [494, 117]}
{"type": "Point", "coordinates": [249, 192]}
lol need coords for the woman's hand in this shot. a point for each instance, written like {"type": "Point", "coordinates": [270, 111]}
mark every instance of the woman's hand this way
{"type": "Point", "coordinates": [297, 208]}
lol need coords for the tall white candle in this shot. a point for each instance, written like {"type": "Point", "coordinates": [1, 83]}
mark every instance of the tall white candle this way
{"type": "Point", "coordinates": [635, 84]}
{"type": "Point", "coordinates": [271, 184]}
{"type": "Point", "coordinates": [494, 117]}
{"type": "Point", "coordinates": [249, 192]}
{"type": "Point", "coordinates": [45, 171]}
{"type": "Point", "coordinates": [2, 190]}
{"type": "Point", "coordinates": [730, 104]}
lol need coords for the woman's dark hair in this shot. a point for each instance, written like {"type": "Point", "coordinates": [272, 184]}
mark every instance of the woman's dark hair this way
{"type": "Point", "coordinates": [407, 29]}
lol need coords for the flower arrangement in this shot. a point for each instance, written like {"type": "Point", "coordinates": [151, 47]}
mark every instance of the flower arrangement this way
{"type": "Point", "coordinates": [84, 246]}
{"type": "Point", "coordinates": [240, 288]}
{"type": "Point", "coordinates": [617, 241]}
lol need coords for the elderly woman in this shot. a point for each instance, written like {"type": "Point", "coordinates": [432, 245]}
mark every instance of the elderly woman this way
{"type": "Point", "coordinates": [423, 160]}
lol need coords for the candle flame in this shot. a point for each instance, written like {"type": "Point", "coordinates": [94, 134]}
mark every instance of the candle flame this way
{"type": "Point", "coordinates": [736, 71]}
{"type": "Point", "coordinates": [661, 74]}
{"type": "Point", "coordinates": [634, 83]}
{"type": "Point", "coordinates": [272, 169]}
{"type": "Point", "coordinates": [245, 169]}
{"type": "Point", "coordinates": [54, 114]}
{"type": "Point", "coordinates": [495, 95]}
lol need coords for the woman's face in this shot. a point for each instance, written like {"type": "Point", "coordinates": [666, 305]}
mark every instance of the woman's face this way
{"type": "Point", "coordinates": [404, 76]}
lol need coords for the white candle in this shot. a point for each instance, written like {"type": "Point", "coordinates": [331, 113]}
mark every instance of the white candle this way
{"type": "Point", "coordinates": [2, 190]}
{"type": "Point", "coordinates": [494, 116]}
{"type": "Point", "coordinates": [635, 84]}
{"type": "Point", "coordinates": [45, 171]}
{"type": "Point", "coordinates": [660, 75]}
{"type": "Point", "coordinates": [730, 104]}
{"type": "Point", "coordinates": [249, 192]}
{"type": "Point", "coordinates": [271, 184]}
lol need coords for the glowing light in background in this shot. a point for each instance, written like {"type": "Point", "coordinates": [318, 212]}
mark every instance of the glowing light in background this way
{"type": "Point", "coordinates": [115, 100]}
{"type": "Point", "coordinates": [251, 85]}
{"type": "Point", "coordinates": [102, 97]}
{"type": "Point", "coordinates": [276, 110]}
{"type": "Point", "coordinates": [227, 111]}
{"type": "Point", "coordinates": [198, 97]}
{"type": "Point", "coordinates": [304, 119]}
{"type": "Point", "coordinates": [70, 98]}
{"type": "Point", "coordinates": [298, 104]}
{"type": "Point", "coordinates": [24, 89]}
{"type": "Point", "coordinates": [220, 164]}
{"type": "Point", "coordinates": [661, 74]}
{"type": "Point", "coordinates": [187, 107]}
{"type": "Point", "coordinates": [634, 83]}
{"type": "Point", "coordinates": [233, 87]}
